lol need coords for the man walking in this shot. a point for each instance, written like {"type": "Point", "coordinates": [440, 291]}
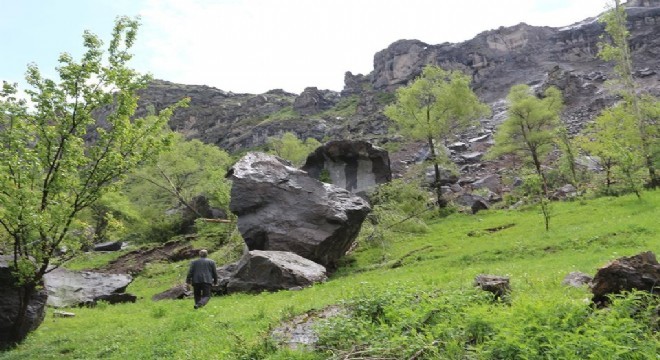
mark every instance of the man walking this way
{"type": "Point", "coordinates": [201, 274]}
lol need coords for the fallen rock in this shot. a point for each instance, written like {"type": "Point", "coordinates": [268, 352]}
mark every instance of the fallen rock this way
{"type": "Point", "coordinates": [576, 279]}
{"type": "Point", "coordinates": [564, 192]}
{"type": "Point", "coordinates": [641, 272]}
{"type": "Point", "coordinates": [261, 271]}
{"type": "Point", "coordinates": [108, 246]}
{"type": "Point", "coordinates": [177, 292]}
{"type": "Point", "coordinates": [9, 305]}
{"type": "Point", "coordinates": [356, 166]}
{"type": "Point", "coordinates": [458, 146]}
{"type": "Point", "coordinates": [63, 314]}
{"type": "Point", "coordinates": [300, 332]}
{"type": "Point", "coordinates": [447, 177]}
{"type": "Point", "coordinates": [475, 202]}
{"type": "Point", "coordinates": [498, 285]}
{"type": "Point", "coordinates": [73, 288]}
{"type": "Point", "coordinates": [281, 208]}
{"type": "Point", "coordinates": [470, 158]}
{"type": "Point", "coordinates": [491, 182]}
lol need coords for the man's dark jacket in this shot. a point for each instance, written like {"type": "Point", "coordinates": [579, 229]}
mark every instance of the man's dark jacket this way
{"type": "Point", "coordinates": [202, 271]}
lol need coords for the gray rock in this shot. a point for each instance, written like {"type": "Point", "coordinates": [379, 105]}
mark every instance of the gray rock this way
{"type": "Point", "coordinates": [641, 272]}
{"type": "Point", "coordinates": [576, 279]}
{"type": "Point", "coordinates": [491, 182]}
{"type": "Point", "coordinates": [108, 246]}
{"type": "Point", "coordinates": [301, 331]}
{"type": "Point", "coordinates": [313, 101]}
{"type": "Point", "coordinates": [470, 158]}
{"type": "Point", "coordinates": [498, 285]}
{"type": "Point", "coordinates": [63, 314]}
{"type": "Point", "coordinates": [176, 292]}
{"type": "Point", "coordinates": [447, 177]}
{"type": "Point", "coordinates": [271, 271]}
{"type": "Point", "coordinates": [356, 166]}
{"type": "Point", "coordinates": [73, 288]}
{"type": "Point", "coordinates": [475, 202]}
{"type": "Point", "coordinates": [458, 146]}
{"type": "Point", "coordinates": [9, 305]}
{"type": "Point", "coordinates": [481, 138]}
{"type": "Point", "coordinates": [281, 208]}
{"type": "Point", "coordinates": [564, 192]}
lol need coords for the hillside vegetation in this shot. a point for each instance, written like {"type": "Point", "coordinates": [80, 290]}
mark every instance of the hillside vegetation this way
{"type": "Point", "coordinates": [410, 296]}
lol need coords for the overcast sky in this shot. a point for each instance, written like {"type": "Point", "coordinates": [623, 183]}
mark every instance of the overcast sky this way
{"type": "Point", "coordinates": [257, 45]}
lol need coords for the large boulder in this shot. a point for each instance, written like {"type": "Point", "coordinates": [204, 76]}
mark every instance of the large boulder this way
{"type": "Point", "coordinates": [9, 306]}
{"type": "Point", "coordinates": [640, 272]}
{"type": "Point", "coordinates": [356, 166]}
{"type": "Point", "coordinates": [270, 271]}
{"type": "Point", "coordinates": [73, 288]}
{"type": "Point", "coordinates": [281, 208]}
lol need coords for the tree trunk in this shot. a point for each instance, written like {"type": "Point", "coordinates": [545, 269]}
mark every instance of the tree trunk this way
{"type": "Point", "coordinates": [20, 326]}
{"type": "Point", "coordinates": [440, 201]}
{"type": "Point", "coordinates": [539, 171]}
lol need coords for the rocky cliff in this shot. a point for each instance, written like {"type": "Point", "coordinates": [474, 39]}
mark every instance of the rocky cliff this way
{"type": "Point", "coordinates": [496, 59]}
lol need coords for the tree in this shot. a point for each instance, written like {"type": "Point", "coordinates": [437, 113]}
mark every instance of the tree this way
{"type": "Point", "coordinates": [289, 147]}
{"type": "Point", "coordinates": [646, 123]}
{"type": "Point", "coordinates": [187, 169]}
{"type": "Point", "coordinates": [613, 139]}
{"type": "Point", "coordinates": [435, 106]}
{"type": "Point", "coordinates": [56, 160]}
{"type": "Point", "coordinates": [530, 131]}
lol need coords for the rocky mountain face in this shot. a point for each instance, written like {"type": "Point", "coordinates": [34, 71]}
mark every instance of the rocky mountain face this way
{"type": "Point", "coordinates": [496, 59]}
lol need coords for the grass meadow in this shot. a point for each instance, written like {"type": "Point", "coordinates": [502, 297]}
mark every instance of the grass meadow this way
{"type": "Point", "coordinates": [411, 296]}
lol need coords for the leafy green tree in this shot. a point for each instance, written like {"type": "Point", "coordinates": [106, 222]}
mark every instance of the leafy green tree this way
{"type": "Point", "coordinates": [188, 168]}
{"type": "Point", "coordinates": [289, 147]}
{"type": "Point", "coordinates": [434, 107]}
{"type": "Point", "coordinates": [56, 159]}
{"type": "Point", "coordinates": [613, 139]}
{"type": "Point", "coordinates": [646, 122]}
{"type": "Point", "coordinates": [530, 132]}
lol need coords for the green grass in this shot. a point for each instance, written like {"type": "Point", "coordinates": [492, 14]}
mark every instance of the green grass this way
{"type": "Point", "coordinates": [426, 304]}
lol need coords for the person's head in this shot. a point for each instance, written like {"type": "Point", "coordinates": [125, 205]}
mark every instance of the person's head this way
{"type": "Point", "coordinates": [203, 253]}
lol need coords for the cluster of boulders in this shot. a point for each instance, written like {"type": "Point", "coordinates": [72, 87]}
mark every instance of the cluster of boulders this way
{"type": "Point", "coordinates": [294, 226]}
{"type": "Point", "coordinates": [639, 272]}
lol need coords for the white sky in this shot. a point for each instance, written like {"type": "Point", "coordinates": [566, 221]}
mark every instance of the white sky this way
{"type": "Point", "coordinates": [257, 45]}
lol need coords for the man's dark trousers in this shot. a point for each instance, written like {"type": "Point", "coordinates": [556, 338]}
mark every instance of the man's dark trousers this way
{"type": "Point", "coordinates": [202, 293]}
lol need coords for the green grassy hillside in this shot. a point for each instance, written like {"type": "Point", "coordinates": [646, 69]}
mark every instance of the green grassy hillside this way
{"type": "Point", "coordinates": [412, 298]}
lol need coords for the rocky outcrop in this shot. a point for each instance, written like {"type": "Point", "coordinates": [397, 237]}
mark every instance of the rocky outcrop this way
{"type": "Point", "coordinates": [9, 306]}
{"type": "Point", "coordinates": [259, 271]}
{"type": "Point", "coordinates": [72, 288]}
{"type": "Point", "coordinates": [356, 166]}
{"type": "Point", "coordinates": [281, 208]}
{"type": "Point", "coordinates": [640, 272]}
{"type": "Point", "coordinates": [496, 59]}
{"type": "Point", "coordinates": [312, 101]}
